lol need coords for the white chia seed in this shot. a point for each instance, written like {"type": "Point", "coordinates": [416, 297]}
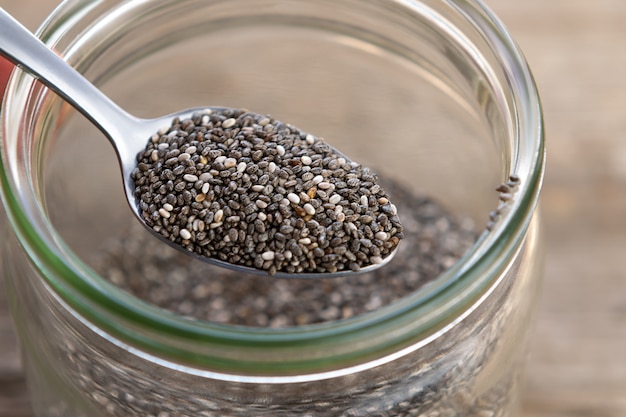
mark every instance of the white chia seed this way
{"type": "Point", "coordinates": [268, 256]}
{"type": "Point", "coordinates": [164, 213]}
{"type": "Point", "coordinates": [230, 163]}
{"type": "Point", "coordinates": [293, 198]}
{"type": "Point", "coordinates": [228, 123]}
{"type": "Point", "coordinates": [381, 236]}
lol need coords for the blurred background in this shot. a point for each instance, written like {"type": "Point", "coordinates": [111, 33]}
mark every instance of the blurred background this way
{"type": "Point", "coordinates": [577, 363]}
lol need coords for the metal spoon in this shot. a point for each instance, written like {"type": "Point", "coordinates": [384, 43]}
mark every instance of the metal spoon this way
{"type": "Point", "coordinates": [128, 134]}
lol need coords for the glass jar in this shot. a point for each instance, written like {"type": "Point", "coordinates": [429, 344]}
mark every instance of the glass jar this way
{"type": "Point", "coordinates": [433, 94]}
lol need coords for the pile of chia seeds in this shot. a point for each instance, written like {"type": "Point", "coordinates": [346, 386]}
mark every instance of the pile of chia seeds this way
{"type": "Point", "coordinates": [162, 276]}
{"type": "Point", "coordinates": [249, 190]}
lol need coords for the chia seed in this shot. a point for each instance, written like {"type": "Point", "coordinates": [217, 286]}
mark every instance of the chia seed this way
{"type": "Point", "coordinates": [218, 161]}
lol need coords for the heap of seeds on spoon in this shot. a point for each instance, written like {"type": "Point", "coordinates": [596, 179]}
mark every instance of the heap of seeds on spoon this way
{"type": "Point", "coordinates": [249, 190]}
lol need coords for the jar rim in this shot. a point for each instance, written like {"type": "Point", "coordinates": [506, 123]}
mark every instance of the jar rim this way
{"type": "Point", "coordinates": [119, 317]}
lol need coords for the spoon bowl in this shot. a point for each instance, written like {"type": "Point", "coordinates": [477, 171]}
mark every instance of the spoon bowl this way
{"type": "Point", "coordinates": [128, 134]}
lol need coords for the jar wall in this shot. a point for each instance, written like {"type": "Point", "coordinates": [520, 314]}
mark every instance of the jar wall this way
{"type": "Point", "coordinates": [470, 368]}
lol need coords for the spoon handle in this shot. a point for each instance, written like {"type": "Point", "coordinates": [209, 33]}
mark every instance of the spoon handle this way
{"type": "Point", "coordinates": [25, 50]}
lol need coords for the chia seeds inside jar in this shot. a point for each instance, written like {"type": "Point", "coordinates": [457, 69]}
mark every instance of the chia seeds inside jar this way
{"type": "Point", "coordinates": [434, 96]}
{"type": "Point", "coordinates": [166, 278]}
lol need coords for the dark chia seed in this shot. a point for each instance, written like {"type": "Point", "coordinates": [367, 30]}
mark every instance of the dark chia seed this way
{"type": "Point", "coordinates": [249, 190]}
{"type": "Point", "coordinates": [434, 241]}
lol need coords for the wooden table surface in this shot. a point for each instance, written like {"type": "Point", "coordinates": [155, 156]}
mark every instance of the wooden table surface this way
{"type": "Point", "coordinates": [577, 366]}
